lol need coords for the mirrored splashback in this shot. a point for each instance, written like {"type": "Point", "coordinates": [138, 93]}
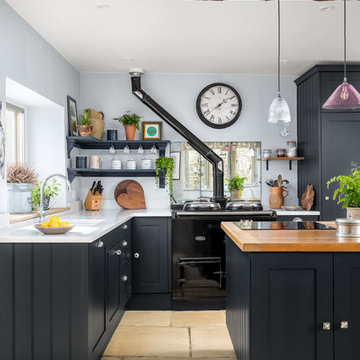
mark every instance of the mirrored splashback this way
{"type": "Point", "coordinates": [193, 173]}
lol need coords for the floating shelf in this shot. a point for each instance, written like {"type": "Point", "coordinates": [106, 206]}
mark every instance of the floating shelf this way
{"type": "Point", "coordinates": [290, 159]}
{"type": "Point", "coordinates": [89, 142]}
{"type": "Point", "coordinates": [72, 173]}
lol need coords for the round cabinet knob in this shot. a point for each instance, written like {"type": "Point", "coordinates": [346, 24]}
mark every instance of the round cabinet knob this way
{"type": "Point", "coordinates": [99, 244]}
{"type": "Point", "coordinates": [118, 252]}
{"type": "Point", "coordinates": [327, 198]}
{"type": "Point", "coordinates": [344, 324]}
{"type": "Point", "coordinates": [326, 326]}
{"type": "Point", "coordinates": [136, 255]}
{"type": "Point", "coordinates": [124, 278]}
{"type": "Point", "coordinates": [124, 244]}
{"type": "Point", "coordinates": [125, 226]}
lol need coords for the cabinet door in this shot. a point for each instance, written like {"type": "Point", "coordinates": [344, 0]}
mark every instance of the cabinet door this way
{"type": "Point", "coordinates": [340, 146]}
{"type": "Point", "coordinates": [347, 306]}
{"type": "Point", "coordinates": [292, 296]}
{"type": "Point", "coordinates": [97, 292]}
{"type": "Point", "coordinates": [151, 255]}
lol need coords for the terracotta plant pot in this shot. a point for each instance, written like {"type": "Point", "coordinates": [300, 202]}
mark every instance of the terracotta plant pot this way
{"type": "Point", "coordinates": [85, 130]}
{"type": "Point", "coordinates": [130, 132]}
{"type": "Point", "coordinates": [236, 194]}
{"type": "Point", "coordinates": [276, 199]}
{"type": "Point", "coordinates": [353, 213]}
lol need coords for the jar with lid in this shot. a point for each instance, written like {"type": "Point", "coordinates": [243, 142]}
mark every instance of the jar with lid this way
{"type": "Point", "coordinates": [281, 152]}
{"type": "Point", "coordinates": [267, 153]}
{"type": "Point", "coordinates": [292, 150]}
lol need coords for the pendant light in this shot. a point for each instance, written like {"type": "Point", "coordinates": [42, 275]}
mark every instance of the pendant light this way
{"type": "Point", "coordinates": [345, 96]}
{"type": "Point", "coordinates": [279, 112]}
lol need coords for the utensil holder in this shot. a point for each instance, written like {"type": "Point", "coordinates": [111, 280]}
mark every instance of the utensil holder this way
{"type": "Point", "coordinates": [92, 202]}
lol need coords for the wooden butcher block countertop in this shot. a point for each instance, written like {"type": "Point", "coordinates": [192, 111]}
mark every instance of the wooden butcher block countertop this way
{"type": "Point", "coordinates": [289, 240]}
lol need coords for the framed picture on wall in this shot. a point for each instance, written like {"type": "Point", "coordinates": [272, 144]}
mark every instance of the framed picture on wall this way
{"type": "Point", "coordinates": [152, 130]}
{"type": "Point", "coordinates": [72, 116]}
{"type": "Point", "coordinates": [177, 162]}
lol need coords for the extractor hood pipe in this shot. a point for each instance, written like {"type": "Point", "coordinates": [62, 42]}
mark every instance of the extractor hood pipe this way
{"type": "Point", "coordinates": [195, 142]}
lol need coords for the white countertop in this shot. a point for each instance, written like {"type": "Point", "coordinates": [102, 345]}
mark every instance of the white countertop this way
{"type": "Point", "coordinates": [89, 226]}
{"type": "Point", "coordinates": [296, 212]}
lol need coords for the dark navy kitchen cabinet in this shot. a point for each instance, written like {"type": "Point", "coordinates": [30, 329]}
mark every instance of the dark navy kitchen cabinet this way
{"type": "Point", "coordinates": [295, 306]}
{"type": "Point", "coordinates": [328, 139]}
{"type": "Point", "coordinates": [151, 255]}
{"type": "Point", "coordinates": [63, 301]}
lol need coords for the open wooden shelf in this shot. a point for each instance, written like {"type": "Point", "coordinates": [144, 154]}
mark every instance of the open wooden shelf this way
{"type": "Point", "coordinates": [90, 143]}
{"type": "Point", "coordinates": [72, 173]}
{"type": "Point", "coordinates": [290, 159]}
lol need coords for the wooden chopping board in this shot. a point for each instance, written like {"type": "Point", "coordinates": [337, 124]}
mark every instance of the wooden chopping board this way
{"type": "Point", "coordinates": [129, 194]}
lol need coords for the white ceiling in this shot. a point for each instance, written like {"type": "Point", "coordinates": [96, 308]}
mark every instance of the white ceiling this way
{"type": "Point", "coordinates": [179, 36]}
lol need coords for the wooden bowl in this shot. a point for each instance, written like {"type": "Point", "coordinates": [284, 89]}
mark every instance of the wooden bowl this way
{"type": "Point", "coordinates": [54, 230]}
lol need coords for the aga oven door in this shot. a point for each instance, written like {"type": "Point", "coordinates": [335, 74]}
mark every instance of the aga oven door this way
{"type": "Point", "coordinates": [198, 260]}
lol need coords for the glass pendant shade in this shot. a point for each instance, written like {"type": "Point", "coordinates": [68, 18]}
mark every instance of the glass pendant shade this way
{"type": "Point", "coordinates": [279, 112]}
{"type": "Point", "coordinates": [344, 97]}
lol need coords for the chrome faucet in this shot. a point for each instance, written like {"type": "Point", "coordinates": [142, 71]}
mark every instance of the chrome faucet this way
{"type": "Point", "coordinates": [42, 210]}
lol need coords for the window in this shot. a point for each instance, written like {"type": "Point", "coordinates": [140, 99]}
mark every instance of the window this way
{"type": "Point", "coordinates": [15, 134]}
{"type": "Point", "coordinates": [196, 179]}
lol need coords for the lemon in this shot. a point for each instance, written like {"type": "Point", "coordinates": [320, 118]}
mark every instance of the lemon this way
{"type": "Point", "coordinates": [64, 224]}
{"type": "Point", "coordinates": [45, 224]}
{"type": "Point", "coordinates": [55, 219]}
{"type": "Point", "coordinates": [54, 224]}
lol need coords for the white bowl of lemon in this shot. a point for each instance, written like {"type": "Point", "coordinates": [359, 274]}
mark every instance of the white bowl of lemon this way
{"type": "Point", "coordinates": [54, 226]}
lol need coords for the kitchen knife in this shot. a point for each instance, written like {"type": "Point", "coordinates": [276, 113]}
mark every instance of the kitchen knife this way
{"type": "Point", "coordinates": [92, 188]}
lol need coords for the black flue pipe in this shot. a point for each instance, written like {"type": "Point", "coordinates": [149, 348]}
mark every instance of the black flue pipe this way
{"type": "Point", "coordinates": [194, 141]}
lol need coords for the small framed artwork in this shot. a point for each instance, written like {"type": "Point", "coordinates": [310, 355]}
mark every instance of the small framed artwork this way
{"type": "Point", "coordinates": [152, 130]}
{"type": "Point", "coordinates": [177, 162]}
{"type": "Point", "coordinates": [72, 116]}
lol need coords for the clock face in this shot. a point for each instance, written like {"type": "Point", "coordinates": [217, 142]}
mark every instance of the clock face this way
{"type": "Point", "coordinates": [219, 105]}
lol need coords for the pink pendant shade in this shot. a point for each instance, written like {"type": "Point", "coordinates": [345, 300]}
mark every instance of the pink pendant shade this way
{"type": "Point", "coordinates": [344, 97]}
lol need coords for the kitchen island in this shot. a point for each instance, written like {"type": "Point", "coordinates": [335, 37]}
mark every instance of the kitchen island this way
{"type": "Point", "coordinates": [292, 293]}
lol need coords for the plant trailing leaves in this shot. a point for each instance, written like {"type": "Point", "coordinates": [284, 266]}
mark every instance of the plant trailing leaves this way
{"type": "Point", "coordinates": [348, 192]}
{"type": "Point", "coordinates": [166, 165]}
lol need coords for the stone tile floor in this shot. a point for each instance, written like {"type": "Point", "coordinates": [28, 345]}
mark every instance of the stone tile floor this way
{"type": "Point", "coordinates": [166, 335]}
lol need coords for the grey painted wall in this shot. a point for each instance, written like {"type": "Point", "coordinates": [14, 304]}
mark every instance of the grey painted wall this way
{"type": "Point", "coordinates": [111, 94]}
{"type": "Point", "coordinates": [28, 59]}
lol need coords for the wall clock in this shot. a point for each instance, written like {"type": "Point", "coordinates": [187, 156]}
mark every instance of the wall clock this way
{"type": "Point", "coordinates": [219, 105]}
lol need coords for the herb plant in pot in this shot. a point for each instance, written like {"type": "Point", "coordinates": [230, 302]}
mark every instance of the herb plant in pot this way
{"type": "Point", "coordinates": [166, 166]}
{"type": "Point", "coordinates": [131, 122]}
{"type": "Point", "coordinates": [51, 190]}
{"type": "Point", "coordinates": [348, 192]}
{"type": "Point", "coordinates": [20, 178]}
{"type": "Point", "coordinates": [85, 127]}
{"type": "Point", "coordinates": [236, 187]}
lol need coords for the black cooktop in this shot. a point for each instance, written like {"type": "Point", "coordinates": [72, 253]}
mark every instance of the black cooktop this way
{"type": "Point", "coordinates": [281, 225]}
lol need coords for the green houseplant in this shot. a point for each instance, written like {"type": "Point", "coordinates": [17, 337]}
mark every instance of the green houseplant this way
{"type": "Point", "coordinates": [85, 127]}
{"type": "Point", "coordinates": [51, 190]}
{"type": "Point", "coordinates": [165, 165]}
{"type": "Point", "coordinates": [348, 191]}
{"type": "Point", "coordinates": [131, 122]}
{"type": "Point", "coordinates": [236, 186]}
{"type": "Point", "coordinates": [20, 177]}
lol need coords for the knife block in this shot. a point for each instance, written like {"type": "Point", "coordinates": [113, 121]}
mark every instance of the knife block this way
{"type": "Point", "coordinates": [92, 202]}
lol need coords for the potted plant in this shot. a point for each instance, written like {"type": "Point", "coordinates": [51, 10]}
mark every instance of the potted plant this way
{"type": "Point", "coordinates": [166, 166]}
{"type": "Point", "coordinates": [131, 122]}
{"type": "Point", "coordinates": [348, 192]}
{"type": "Point", "coordinates": [85, 127]}
{"type": "Point", "coordinates": [236, 187]}
{"type": "Point", "coordinates": [20, 178]}
{"type": "Point", "coordinates": [51, 190]}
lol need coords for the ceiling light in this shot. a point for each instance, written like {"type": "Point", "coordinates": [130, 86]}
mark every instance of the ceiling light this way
{"type": "Point", "coordinates": [345, 95]}
{"type": "Point", "coordinates": [279, 112]}
{"type": "Point", "coordinates": [327, 8]}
